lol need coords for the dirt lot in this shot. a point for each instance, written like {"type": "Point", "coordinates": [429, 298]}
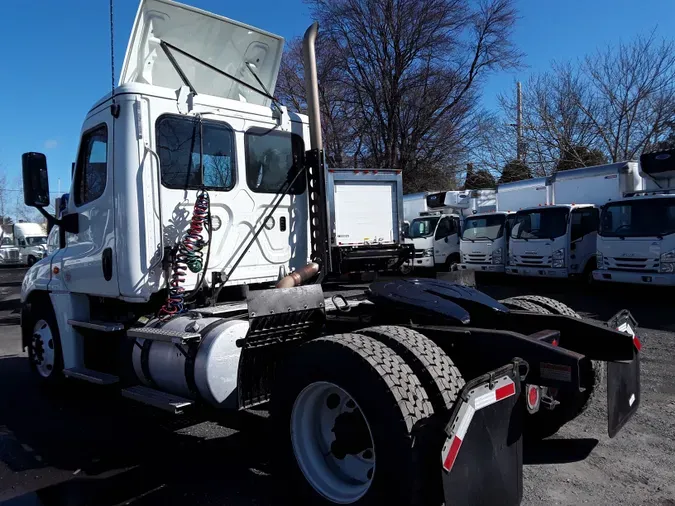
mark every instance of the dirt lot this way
{"type": "Point", "coordinates": [63, 450]}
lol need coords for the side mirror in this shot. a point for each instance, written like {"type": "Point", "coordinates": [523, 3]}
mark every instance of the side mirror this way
{"type": "Point", "coordinates": [35, 180]}
{"type": "Point", "coordinates": [446, 239]}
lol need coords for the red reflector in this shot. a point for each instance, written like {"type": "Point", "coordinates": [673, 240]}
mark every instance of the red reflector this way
{"type": "Point", "coordinates": [331, 170]}
{"type": "Point", "coordinates": [554, 343]}
{"type": "Point", "coordinates": [356, 172]}
{"type": "Point", "coordinates": [533, 396]}
{"type": "Point", "coordinates": [374, 172]}
{"type": "Point", "coordinates": [637, 343]}
{"type": "Point", "coordinates": [505, 391]}
{"type": "Point", "coordinates": [452, 454]}
{"type": "Point", "coordinates": [366, 171]}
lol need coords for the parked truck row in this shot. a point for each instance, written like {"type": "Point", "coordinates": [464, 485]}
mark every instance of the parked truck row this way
{"type": "Point", "coordinates": [22, 243]}
{"type": "Point", "coordinates": [610, 223]}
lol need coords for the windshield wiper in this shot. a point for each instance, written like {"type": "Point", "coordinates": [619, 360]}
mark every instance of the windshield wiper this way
{"type": "Point", "coordinates": [484, 237]}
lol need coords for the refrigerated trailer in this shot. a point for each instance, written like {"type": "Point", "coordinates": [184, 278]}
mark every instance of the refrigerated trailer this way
{"type": "Point", "coordinates": [365, 209]}
{"type": "Point", "coordinates": [370, 392]}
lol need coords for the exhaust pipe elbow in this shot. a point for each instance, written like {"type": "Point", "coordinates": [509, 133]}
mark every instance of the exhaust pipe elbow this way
{"type": "Point", "coordinates": [299, 276]}
{"type": "Point", "coordinates": [312, 85]}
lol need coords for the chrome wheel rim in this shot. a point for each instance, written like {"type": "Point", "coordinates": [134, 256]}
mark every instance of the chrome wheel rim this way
{"type": "Point", "coordinates": [42, 350]}
{"type": "Point", "coordinates": [333, 443]}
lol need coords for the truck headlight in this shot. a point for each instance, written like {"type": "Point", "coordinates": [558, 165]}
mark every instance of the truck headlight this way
{"type": "Point", "coordinates": [511, 260]}
{"type": "Point", "coordinates": [667, 262]}
{"type": "Point", "coordinates": [559, 254]}
{"type": "Point", "coordinates": [429, 252]}
{"type": "Point", "coordinates": [497, 256]}
{"type": "Point", "coordinates": [599, 259]}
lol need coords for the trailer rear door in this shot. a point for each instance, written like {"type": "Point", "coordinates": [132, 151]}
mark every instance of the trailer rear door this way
{"type": "Point", "coordinates": [365, 212]}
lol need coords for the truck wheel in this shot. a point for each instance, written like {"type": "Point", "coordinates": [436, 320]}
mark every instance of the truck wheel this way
{"type": "Point", "coordinates": [438, 374]}
{"type": "Point", "coordinates": [31, 260]}
{"type": "Point", "coordinates": [551, 305]}
{"type": "Point", "coordinates": [523, 305]}
{"type": "Point", "coordinates": [44, 347]}
{"type": "Point", "coordinates": [352, 406]}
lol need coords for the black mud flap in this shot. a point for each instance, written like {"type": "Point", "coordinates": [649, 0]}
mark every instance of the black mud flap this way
{"type": "Point", "coordinates": [623, 378]}
{"type": "Point", "coordinates": [482, 457]}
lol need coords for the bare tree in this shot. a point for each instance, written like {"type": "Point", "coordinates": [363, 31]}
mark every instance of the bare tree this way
{"type": "Point", "coordinates": [403, 78]}
{"type": "Point", "coordinates": [632, 95]}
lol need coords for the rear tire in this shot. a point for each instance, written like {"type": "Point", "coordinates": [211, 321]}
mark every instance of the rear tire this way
{"type": "Point", "coordinates": [523, 305]}
{"type": "Point", "coordinates": [551, 305]}
{"type": "Point", "coordinates": [438, 374]}
{"type": "Point", "coordinates": [384, 392]}
{"type": "Point", "coordinates": [547, 422]}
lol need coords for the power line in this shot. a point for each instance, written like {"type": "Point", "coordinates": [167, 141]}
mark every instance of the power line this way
{"type": "Point", "coordinates": [19, 190]}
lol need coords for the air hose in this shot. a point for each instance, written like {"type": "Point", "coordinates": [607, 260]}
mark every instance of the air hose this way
{"type": "Point", "coordinates": [189, 256]}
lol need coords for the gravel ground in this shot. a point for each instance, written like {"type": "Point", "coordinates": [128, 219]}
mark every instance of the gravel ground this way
{"type": "Point", "coordinates": [61, 449]}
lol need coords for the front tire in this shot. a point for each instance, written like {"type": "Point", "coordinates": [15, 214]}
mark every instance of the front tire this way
{"type": "Point", "coordinates": [346, 409]}
{"type": "Point", "coordinates": [31, 260]}
{"type": "Point", "coordinates": [44, 346]}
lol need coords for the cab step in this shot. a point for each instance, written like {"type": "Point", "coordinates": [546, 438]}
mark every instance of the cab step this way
{"type": "Point", "coordinates": [91, 376]}
{"type": "Point", "coordinates": [97, 325]}
{"type": "Point", "coordinates": [162, 400]}
{"type": "Point", "coordinates": [168, 336]}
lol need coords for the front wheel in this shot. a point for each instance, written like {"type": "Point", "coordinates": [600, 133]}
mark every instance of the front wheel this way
{"type": "Point", "coordinates": [44, 346]}
{"type": "Point", "coordinates": [31, 260]}
{"type": "Point", "coordinates": [345, 409]}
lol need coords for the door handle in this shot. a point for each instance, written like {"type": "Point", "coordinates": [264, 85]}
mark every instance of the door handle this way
{"type": "Point", "coordinates": [106, 263]}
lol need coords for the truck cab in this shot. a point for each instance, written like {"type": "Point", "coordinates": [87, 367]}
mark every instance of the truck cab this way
{"type": "Point", "coordinates": [556, 241]}
{"type": "Point", "coordinates": [484, 241]}
{"type": "Point", "coordinates": [9, 253]}
{"type": "Point", "coordinates": [435, 236]}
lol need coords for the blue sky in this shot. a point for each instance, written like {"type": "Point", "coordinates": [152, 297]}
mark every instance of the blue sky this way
{"type": "Point", "coordinates": [56, 62]}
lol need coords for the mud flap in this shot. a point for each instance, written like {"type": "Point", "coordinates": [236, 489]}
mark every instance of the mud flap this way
{"type": "Point", "coordinates": [623, 378]}
{"type": "Point", "coordinates": [482, 457]}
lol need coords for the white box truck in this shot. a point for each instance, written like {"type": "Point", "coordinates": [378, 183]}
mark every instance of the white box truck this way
{"type": "Point", "coordinates": [636, 239]}
{"type": "Point", "coordinates": [483, 244]}
{"type": "Point", "coordinates": [365, 209]}
{"type": "Point", "coordinates": [558, 239]}
{"type": "Point", "coordinates": [435, 233]}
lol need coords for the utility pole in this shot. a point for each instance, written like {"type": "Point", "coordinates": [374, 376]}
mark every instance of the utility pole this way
{"type": "Point", "coordinates": [519, 123]}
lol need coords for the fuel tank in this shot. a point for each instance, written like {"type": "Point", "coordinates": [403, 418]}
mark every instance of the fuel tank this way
{"type": "Point", "coordinates": [205, 369]}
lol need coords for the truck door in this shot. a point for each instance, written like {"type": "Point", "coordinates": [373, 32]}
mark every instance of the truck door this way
{"type": "Point", "coordinates": [583, 238]}
{"type": "Point", "coordinates": [88, 262]}
{"type": "Point", "coordinates": [443, 244]}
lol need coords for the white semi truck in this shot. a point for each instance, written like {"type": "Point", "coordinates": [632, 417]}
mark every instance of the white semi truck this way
{"type": "Point", "coordinates": [28, 239]}
{"type": "Point", "coordinates": [636, 239]}
{"type": "Point", "coordinates": [184, 175]}
{"type": "Point", "coordinates": [558, 239]}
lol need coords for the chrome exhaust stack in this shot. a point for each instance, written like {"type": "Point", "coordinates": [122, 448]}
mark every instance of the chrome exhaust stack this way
{"type": "Point", "coordinates": [312, 85]}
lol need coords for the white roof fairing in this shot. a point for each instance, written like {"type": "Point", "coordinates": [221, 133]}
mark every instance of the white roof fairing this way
{"type": "Point", "coordinates": [223, 43]}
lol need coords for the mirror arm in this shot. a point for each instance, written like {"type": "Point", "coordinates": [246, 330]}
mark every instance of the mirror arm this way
{"type": "Point", "coordinates": [69, 223]}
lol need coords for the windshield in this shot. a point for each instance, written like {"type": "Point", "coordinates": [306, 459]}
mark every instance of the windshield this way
{"type": "Point", "coordinates": [36, 241]}
{"type": "Point", "coordinates": [646, 218]}
{"type": "Point", "coordinates": [540, 224]}
{"type": "Point", "coordinates": [422, 227]}
{"type": "Point", "coordinates": [483, 227]}
{"type": "Point", "coordinates": [7, 241]}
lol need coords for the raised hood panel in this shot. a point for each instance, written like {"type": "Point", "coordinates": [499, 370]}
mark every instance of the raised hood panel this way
{"type": "Point", "coordinates": [223, 43]}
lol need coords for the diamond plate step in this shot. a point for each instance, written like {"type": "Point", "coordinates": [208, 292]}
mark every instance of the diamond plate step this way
{"type": "Point", "coordinates": [168, 336]}
{"type": "Point", "coordinates": [162, 400]}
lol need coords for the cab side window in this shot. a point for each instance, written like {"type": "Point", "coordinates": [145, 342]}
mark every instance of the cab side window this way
{"type": "Point", "coordinates": [444, 229]}
{"type": "Point", "coordinates": [91, 171]}
{"type": "Point", "coordinates": [584, 222]}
